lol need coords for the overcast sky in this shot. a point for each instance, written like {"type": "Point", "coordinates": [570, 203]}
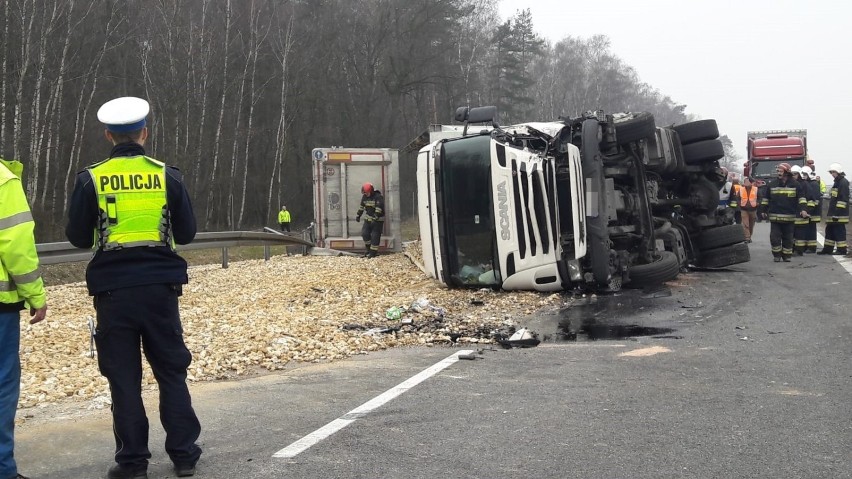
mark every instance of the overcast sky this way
{"type": "Point", "coordinates": [750, 64]}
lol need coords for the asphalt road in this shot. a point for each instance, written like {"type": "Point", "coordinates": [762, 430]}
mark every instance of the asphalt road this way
{"type": "Point", "coordinates": [743, 372]}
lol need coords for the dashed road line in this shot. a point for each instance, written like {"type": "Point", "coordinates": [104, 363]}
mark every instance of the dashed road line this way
{"type": "Point", "coordinates": [315, 437]}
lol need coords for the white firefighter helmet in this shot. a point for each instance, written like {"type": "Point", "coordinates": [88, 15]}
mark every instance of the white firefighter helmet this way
{"type": "Point", "coordinates": [796, 170]}
{"type": "Point", "coordinates": [835, 167]}
{"type": "Point", "coordinates": [807, 172]}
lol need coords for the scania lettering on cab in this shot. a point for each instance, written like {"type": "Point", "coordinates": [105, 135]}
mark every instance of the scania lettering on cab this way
{"type": "Point", "coordinates": [593, 202]}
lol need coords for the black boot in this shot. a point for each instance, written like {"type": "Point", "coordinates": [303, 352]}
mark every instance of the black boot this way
{"type": "Point", "coordinates": [840, 251]}
{"type": "Point", "coordinates": [127, 471]}
{"type": "Point", "coordinates": [826, 250]}
{"type": "Point", "coordinates": [777, 259]}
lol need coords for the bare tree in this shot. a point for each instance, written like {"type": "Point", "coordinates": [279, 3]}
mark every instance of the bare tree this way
{"type": "Point", "coordinates": [212, 187]}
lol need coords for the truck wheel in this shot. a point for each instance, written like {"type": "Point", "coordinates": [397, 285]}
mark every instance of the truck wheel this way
{"type": "Point", "coordinates": [726, 256]}
{"type": "Point", "coordinates": [631, 127]}
{"type": "Point", "coordinates": [721, 236]}
{"type": "Point", "coordinates": [703, 151]}
{"type": "Point", "coordinates": [695, 131]}
{"type": "Point", "coordinates": [664, 268]}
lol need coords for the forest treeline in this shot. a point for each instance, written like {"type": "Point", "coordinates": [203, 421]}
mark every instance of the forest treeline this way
{"type": "Point", "coordinates": [242, 90]}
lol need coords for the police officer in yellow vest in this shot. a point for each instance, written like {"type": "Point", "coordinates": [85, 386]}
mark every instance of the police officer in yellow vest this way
{"type": "Point", "coordinates": [133, 209]}
{"type": "Point", "coordinates": [284, 219]}
{"type": "Point", "coordinates": [20, 286]}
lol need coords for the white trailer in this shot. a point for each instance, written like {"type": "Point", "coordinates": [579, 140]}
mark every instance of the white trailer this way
{"type": "Point", "coordinates": [338, 174]}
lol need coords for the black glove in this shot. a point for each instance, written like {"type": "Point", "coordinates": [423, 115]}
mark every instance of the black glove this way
{"type": "Point", "coordinates": [357, 218]}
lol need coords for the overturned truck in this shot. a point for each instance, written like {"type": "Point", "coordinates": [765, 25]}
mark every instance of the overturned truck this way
{"type": "Point", "coordinates": [594, 203]}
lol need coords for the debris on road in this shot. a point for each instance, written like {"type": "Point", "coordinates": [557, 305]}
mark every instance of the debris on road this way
{"type": "Point", "coordinates": [288, 309]}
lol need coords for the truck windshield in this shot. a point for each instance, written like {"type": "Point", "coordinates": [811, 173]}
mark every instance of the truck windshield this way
{"type": "Point", "coordinates": [470, 229]}
{"type": "Point", "coordinates": [766, 168]}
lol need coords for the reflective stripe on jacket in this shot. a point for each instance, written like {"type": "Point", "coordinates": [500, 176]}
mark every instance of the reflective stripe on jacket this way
{"type": "Point", "coordinates": [784, 200]}
{"type": "Point", "coordinates": [131, 194]}
{"type": "Point", "coordinates": [373, 205]}
{"type": "Point", "coordinates": [20, 277]}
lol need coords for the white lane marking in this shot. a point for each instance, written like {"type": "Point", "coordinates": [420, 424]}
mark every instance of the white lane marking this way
{"type": "Point", "coordinates": [844, 262]}
{"type": "Point", "coordinates": [313, 438]}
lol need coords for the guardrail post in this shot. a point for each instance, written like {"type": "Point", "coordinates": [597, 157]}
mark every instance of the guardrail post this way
{"type": "Point", "coordinates": [225, 257]}
{"type": "Point", "coordinates": [266, 252]}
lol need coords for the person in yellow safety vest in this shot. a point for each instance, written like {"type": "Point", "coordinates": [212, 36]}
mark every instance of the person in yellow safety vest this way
{"type": "Point", "coordinates": [133, 210]}
{"type": "Point", "coordinates": [284, 219]}
{"type": "Point", "coordinates": [21, 286]}
{"type": "Point", "coordinates": [747, 204]}
{"type": "Point", "coordinates": [838, 213]}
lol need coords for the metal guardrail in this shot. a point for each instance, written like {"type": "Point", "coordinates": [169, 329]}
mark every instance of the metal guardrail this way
{"type": "Point", "coordinates": [65, 252]}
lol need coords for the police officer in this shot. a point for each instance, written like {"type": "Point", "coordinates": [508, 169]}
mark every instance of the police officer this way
{"type": "Point", "coordinates": [20, 286]}
{"type": "Point", "coordinates": [373, 203]}
{"type": "Point", "coordinates": [284, 219]}
{"type": "Point", "coordinates": [838, 212]}
{"type": "Point", "coordinates": [133, 209]}
{"type": "Point", "coordinates": [783, 201]}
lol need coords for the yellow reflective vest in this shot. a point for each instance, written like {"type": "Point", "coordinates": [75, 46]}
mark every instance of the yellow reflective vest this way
{"type": "Point", "coordinates": [20, 277]}
{"type": "Point", "coordinates": [132, 202]}
{"type": "Point", "coordinates": [284, 216]}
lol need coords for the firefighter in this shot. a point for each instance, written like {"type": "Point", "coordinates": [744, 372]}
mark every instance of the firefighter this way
{"type": "Point", "coordinates": [734, 200]}
{"type": "Point", "coordinates": [783, 201]}
{"type": "Point", "coordinates": [132, 210]}
{"type": "Point", "coordinates": [373, 207]}
{"type": "Point", "coordinates": [814, 209]}
{"type": "Point", "coordinates": [801, 224]}
{"type": "Point", "coordinates": [838, 213]}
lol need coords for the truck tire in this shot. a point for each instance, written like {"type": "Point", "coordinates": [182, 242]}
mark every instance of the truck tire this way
{"type": "Point", "coordinates": [695, 131]}
{"type": "Point", "coordinates": [664, 268]}
{"type": "Point", "coordinates": [630, 127]}
{"type": "Point", "coordinates": [703, 151]}
{"type": "Point", "coordinates": [725, 256]}
{"type": "Point", "coordinates": [721, 236]}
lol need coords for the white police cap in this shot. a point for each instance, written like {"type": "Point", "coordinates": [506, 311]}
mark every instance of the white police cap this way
{"type": "Point", "coordinates": [124, 114]}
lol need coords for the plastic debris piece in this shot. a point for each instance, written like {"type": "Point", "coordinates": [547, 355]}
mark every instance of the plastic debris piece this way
{"type": "Point", "coordinates": [394, 313]}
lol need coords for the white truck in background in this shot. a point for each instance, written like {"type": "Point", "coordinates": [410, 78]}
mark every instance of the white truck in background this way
{"type": "Point", "coordinates": [593, 202]}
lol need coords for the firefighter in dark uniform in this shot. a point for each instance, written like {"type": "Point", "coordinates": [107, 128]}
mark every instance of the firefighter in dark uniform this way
{"type": "Point", "coordinates": [373, 208]}
{"type": "Point", "coordinates": [132, 210]}
{"type": "Point", "coordinates": [814, 209]}
{"type": "Point", "coordinates": [783, 201]}
{"type": "Point", "coordinates": [838, 213]}
{"type": "Point", "coordinates": [800, 226]}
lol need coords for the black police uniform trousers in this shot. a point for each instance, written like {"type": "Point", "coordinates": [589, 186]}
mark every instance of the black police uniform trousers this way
{"type": "Point", "coordinates": [781, 238]}
{"type": "Point", "coordinates": [371, 233]}
{"type": "Point", "coordinates": [147, 314]}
